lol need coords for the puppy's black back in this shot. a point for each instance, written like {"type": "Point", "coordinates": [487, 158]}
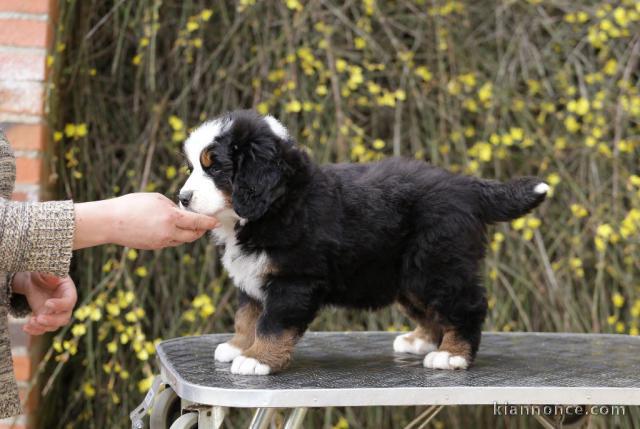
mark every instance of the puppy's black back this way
{"type": "Point", "coordinates": [399, 215]}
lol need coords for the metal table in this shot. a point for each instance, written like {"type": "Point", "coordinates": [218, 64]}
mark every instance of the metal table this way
{"type": "Point", "coordinates": [361, 369]}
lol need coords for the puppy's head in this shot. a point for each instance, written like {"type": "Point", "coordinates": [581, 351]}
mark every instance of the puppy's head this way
{"type": "Point", "coordinates": [236, 165]}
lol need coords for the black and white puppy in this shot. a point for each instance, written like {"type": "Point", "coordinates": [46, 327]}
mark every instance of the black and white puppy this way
{"type": "Point", "coordinates": [298, 236]}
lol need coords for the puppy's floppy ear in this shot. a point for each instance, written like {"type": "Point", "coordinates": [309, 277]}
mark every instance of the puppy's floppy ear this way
{"type": "Point", "coordinates": [258, 179]}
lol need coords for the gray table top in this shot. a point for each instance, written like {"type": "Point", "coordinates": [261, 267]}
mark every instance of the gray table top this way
{"type": "Point", "coordinates": [361, 368]}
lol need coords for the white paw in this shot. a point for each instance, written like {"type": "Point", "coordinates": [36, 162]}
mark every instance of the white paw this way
{"type": "Point", "coordinates": [444, 360]}
{"type": "Point", "coordinates": [406, 344]}
{"type": "Point", "coordinates": [225, 352]}
{"type": "Point", "coordinates": [249, 366]}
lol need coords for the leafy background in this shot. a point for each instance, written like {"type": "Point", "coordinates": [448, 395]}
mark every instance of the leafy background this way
{"type": "Point", "coordinates": [490, 88]}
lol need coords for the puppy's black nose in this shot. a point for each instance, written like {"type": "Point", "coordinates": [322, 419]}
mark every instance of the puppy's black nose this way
{"type": "Point", "coordinates": [185, 197]}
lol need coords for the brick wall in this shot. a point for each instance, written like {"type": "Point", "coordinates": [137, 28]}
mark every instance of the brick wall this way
{"type": "Point", "coordinates": [25, 35]}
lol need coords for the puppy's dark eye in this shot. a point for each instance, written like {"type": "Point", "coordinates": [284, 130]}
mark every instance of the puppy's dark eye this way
{"type": "Point", "coordinates": [206, 159]}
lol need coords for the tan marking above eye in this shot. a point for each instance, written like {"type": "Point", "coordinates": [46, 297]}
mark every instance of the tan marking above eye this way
{"type": "Point", "coordinates": [206, 158]}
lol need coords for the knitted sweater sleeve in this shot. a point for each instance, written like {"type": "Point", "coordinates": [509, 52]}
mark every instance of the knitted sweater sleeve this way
{"type": "Point", "coordinates": [33, 236]}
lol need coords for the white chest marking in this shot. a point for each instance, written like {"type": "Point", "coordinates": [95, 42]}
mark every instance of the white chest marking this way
{"type": "Point", "coordinates": [247, 271]}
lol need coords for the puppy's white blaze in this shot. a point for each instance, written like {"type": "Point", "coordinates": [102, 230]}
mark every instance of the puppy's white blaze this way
{"type": "Point", "coordinates": [203, 136]}
{"type": "Point", "coordinates": [249, 366]}
{"type": "Point", "coordinates": [417, 346]}
{"type": "Point", "coordinates": [207, 198]}
{"type": "Point", "coordinates": [541, 188]}
{"type": "Point", "coordinates": [277, 127]}
{"type": "Point", "coordinates": [226, 352]}
{"type": "Point", "coordinates": [444, 360]}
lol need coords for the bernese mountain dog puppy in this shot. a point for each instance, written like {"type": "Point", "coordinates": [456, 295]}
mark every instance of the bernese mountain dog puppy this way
{"type": "Point", "coordinates": [299, 236]}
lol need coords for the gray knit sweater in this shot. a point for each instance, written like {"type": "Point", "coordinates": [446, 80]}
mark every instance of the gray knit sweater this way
{"type": "Point", "coordinates": [33, 237]}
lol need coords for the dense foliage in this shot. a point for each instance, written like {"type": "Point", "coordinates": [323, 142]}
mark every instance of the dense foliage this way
{"type": "Point", "coordinates": [493, 88]}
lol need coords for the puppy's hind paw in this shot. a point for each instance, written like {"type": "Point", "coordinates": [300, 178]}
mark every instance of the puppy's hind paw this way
{"type": "Point", "coordinates": [410, 343]}
{"type": "Point", "coordinates": [226, 352]}
{"type": "Point", "coordinates": [444, 360]}
{"type": "Point", "coordinates": [249, 366]}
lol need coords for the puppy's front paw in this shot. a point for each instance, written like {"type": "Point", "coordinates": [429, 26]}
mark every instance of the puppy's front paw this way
{"type": "Point", "coordinates": [226, 352]}
{"type": "Point", "coordinates": [410, 343]}
{"type": "Point", "coordinates": [249, 366]}
{"type": "Point", "coordinates": [444, 360]}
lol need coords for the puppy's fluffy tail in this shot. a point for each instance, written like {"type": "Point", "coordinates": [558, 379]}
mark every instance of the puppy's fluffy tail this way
{"type": "Point", "coordinates": [501, 202]}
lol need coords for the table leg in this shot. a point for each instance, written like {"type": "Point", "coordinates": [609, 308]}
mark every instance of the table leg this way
{"type": "Point", "coordinates": [200, 416]}
{"type": "Point", "coordinates": [295, 419]}
{"type": "Point", "coordinates": [211, 417]}
{"type": "Point", "coordinates": [262, 418]}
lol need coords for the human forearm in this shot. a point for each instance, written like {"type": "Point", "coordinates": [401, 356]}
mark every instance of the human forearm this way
{"type": "Point", "coordinates": [140, 220]}
{"type": "Point", "coordinates": [94, 223]}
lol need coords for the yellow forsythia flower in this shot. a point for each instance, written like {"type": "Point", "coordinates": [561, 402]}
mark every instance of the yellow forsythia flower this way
{"type": "Point", "coordinates": [342, 423]}
{"type": "Point", "coordinates": [171, 172]}
{"type": "Point", "coordinates": [294, 5]}
{"type": "Point", "coordinates": [176, 123]}
{"type": "Point", "coordinates": [78, 330]}
{"type": "Point", "coordinates": [293, 106]}
{"type": "Point", "coordinates": [378, 144]}
{"type": "Point", "coordinates": [192, 26]}
{"type": "Point", "coordinates": [145, 384]}
{"type": "Point", "coordinates": [518, 223]}
{"type": "Point", "coordinates": [618, 300]}
{"type": "Point", "coordinates": [610, 67]}
{"type": "Point", "coordinates": [579, 211]}
{"type": "Point", "coordinates": [141, 272]}
{"type": "Point", "coordinates": [485, 92]}
{"type": "Point", "coordinates": [206, 14]}
{"type": "Point", "coordinates": [88, 390]}
{"type": "Point", "coordinates": [113, 309]}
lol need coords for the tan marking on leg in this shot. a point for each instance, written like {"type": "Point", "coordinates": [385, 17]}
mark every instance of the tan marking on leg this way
{"type": "Point", "coordinates": [428, 329]}
{"type": "Point", "coordinates": [421, 334]}
{"type": "Point", "coordinates": [455, 345]}
{"type": "Point", "coordinates": [274, 351]}
{"type": "Point", "coordinates": [245, 325]}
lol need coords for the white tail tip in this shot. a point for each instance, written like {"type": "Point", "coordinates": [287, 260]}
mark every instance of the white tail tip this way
{"type": "Point", "coordinates": [541, 188]}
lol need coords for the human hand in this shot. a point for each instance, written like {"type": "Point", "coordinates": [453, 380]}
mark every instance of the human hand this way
{"type": "Point", "coordinates": [51, 299]}
{"type": "Point", "coordinates": [152, 221]}
{"type": "Point", "coordinates": [140, 220]}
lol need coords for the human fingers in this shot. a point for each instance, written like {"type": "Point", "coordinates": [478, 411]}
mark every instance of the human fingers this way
{"type": "Point", "coordinates": [50, 278]}
{"type": "Point", "coordinates": [34, 328]}
{"type": "Point", "coordinates": [54, 321]}
{"type": "Point", "coordinates": [65, 300]}
{"type": "Point", "coordinates": [195, 221]}
{"type": "Point", "coordinates": [186, 236]}
{"type": "Point", "coordinates": [32, 331]}
{"type": "Point", "coordinates": [47, 280]}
